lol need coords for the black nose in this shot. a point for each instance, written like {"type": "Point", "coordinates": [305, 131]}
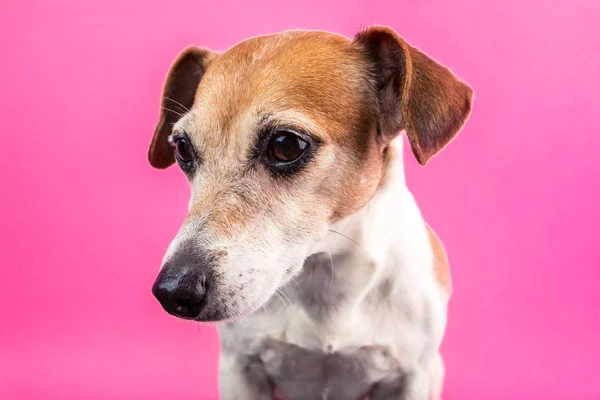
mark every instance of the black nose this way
{"type": "Point", "coordinates": [181, 290]}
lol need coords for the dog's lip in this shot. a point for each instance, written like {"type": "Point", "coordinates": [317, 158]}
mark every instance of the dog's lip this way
{"type": "Point", "coordinates": [209, 314]}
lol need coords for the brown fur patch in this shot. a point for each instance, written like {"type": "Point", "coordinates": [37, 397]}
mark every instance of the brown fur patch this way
{"type": "Point", "coordinates": [313, 80]}
{"type": "Point", "coordinates": [350, 95]}
{"type": "Point", "coordinates": [416, 93]}
{"type": "Point", "coordinates": [177, 98]}
{"type": "Point", "coordinates": [441, 266]}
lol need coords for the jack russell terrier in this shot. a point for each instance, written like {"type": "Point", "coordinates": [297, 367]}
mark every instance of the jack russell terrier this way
{"type": "Point", "coordinates": [302, 237]}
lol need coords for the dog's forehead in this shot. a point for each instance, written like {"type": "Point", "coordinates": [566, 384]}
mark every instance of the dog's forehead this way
{"type": "Point", "coordinates": [314, 79]}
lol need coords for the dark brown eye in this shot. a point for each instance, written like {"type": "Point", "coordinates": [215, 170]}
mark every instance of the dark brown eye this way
{"type": "Point", "coordinates": [183, 150]}
{"type": "Point", "coordinates": [287, 147]}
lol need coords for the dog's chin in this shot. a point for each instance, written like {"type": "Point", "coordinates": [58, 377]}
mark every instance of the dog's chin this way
{"type": "Point", "coordinates": [223, 315]}
{"type": "Point", "coordinates": [217, 317]}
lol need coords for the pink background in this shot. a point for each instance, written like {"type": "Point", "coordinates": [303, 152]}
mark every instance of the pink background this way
{"type": "Point", "coordinates": [85, 221]}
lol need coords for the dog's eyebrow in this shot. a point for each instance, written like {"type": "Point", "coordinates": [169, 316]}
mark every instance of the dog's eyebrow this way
{"type": "Point", "coordinates": [262, 118]}
{"type": "Point", "coordinates": [181, 125]}
{"type": "Point", "coordinates": [287, 120]}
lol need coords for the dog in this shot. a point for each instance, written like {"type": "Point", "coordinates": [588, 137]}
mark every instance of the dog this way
{"type": "Point", "coordinates": [302, 239]}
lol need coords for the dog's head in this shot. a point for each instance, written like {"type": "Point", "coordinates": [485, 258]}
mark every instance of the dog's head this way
{"type": "Point", "coordinates": [279, 137]}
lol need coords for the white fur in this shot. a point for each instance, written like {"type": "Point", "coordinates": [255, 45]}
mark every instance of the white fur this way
{"type": "Point", "coordinates": [391, 245]}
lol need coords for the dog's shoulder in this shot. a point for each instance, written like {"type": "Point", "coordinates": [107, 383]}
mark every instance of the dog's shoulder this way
{"type": "Point", "coordinates": [440, 264]}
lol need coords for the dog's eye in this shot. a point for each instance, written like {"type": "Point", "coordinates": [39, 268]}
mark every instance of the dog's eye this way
{"type": "Point", "coordinates": [183, 150]}
{"type": "Point", "coordinates": [287, 147]}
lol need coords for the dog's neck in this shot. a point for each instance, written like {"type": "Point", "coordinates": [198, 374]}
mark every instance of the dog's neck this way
{"type": "Point", "coordinates": [372, 253]}
{"type": "Point", "coordinates": [368, 230]}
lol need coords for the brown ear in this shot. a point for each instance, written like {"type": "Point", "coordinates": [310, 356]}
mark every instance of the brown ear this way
{"type": "Point", "coordinates": [416, 93]}
{"type": "Point", "coordinates": [177, 99]}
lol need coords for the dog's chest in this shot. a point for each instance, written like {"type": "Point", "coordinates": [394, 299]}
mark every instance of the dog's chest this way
{"type": "Point", "coordinates": [318, 334]}
{"type": "Point", "coordinates": [299, 373]}
{"type": "Point", "coordinates": [322, 343]}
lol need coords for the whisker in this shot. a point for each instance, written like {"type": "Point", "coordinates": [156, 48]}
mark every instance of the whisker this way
{"type": "Point", "coordinates": [297, 284]}
{"type": "Point", "coordinates": [352, 240]}
{"type": "Point", "coordinates": [332, 275]}
{"type": "Point", "coordinates": [178, 103]}
{"type": "Point", "coordinates": [266, 308]}
{"type": "Point", "coordinates": [288, 299]}
{"type": "Point", "coordinates": [288, 302]}
{"type": "Point", "coordinates": [278, 292]}
{"type": "Point", "coordinates": [173, 111]}
{"type": "Point", "coordinates": [280, 298]}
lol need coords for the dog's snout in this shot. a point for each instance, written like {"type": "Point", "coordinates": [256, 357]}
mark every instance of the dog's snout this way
{"type": "Point", "coordinates": [181, 290]}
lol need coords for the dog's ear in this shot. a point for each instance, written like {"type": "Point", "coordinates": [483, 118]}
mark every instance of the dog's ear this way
{"type": "Point", "coordinates": [415, 93]}
{"type": "Point", "coordinates": [177, 98]}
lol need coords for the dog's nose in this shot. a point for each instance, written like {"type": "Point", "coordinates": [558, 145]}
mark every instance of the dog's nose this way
{"type": "Point", "coordinates": [181, 290]}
